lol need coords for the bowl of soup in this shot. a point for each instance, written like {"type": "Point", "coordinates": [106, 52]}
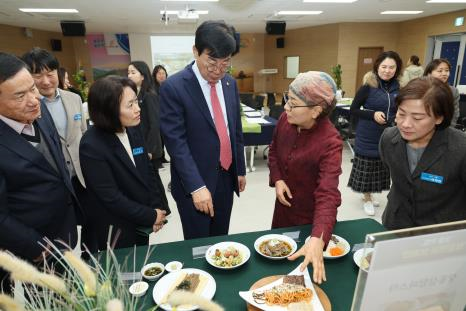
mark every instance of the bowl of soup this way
{"type": "Point", "coordinates": [152, 271]}
{"type": "Point", "coordinates": [275, 246]}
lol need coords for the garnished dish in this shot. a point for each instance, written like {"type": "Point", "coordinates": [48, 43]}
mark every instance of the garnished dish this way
{"type": "Point", "coordinates": [196, 281]}
{"type": "Point", "coordinates": [275, 246]}
{"type": "Point", "coordinates": [363, 260]}
{"type": "Point", "coordinates": [337, 247]}
{"type": "Point", "coordinates": [227, 255]}
{"type": "Point", "coordinates": [292, 290]}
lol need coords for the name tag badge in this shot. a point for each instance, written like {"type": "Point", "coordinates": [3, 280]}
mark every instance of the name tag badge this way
{"type": "Point", "coordinates": [138, 151]}
{"type": "Point", "coordinates": [77, 117]}
{"type": "Point", "coordinates": [432, 178]}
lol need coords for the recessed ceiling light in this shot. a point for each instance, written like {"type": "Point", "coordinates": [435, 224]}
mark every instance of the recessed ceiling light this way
{"type": "Point", "coordinates": [298, 13]}
{"type": "Point", "coordinates": [401, 12]}
{"type": "Point", "coordinates": [36, 10]}
{"type": "Point", "coordinates": [329, 1]}
{"type": "Point", "coordinates": [446, 1]}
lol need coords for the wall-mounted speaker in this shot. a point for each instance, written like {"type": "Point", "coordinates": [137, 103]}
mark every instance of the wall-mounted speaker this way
{"type": "Point", "coordinates": [56, 45]}
{"type": "Point", "coordinates": [73, 28]}
{"type": "Point", "coordinates": [280, 43]}
{"type": "Point", "coordinates": [275, 28]}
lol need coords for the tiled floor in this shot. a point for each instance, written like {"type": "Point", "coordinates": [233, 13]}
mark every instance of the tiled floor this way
{"type": "Point", "coordinates": [253, 210]}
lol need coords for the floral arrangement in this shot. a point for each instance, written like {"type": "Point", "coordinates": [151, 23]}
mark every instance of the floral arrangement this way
{"type": "Point", "coordinates": [81, 286]}
{"type": "Point", "coordinates": [336, 73]}
{"type": "Point", "coordinates": [83, 85]}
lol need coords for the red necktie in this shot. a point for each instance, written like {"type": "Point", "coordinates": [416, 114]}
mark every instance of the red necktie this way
{"type": "Point", "coordinates": [225, 146]}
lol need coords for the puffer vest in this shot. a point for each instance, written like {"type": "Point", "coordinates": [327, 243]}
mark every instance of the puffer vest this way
{"type": "Point", "coordinates": [368, 132]}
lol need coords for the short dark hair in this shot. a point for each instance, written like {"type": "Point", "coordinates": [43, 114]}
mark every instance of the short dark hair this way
{"type": "Point", "coordinates": [218, 38]}
{"type": "Point", "coordinates": [414, 59]}
{"type": "Point", "coordinates": [104, 102]}
{"type": "Point", "coordinates": [39, 59]}
{"type": "Point", "coordinates": [436, 96]}
{"type": "Point", "coordinates": [10, 65]}
{"type": "Point", "coordinates": [157, 68]}
{"type": "Point", "coordinates": [434, 64]}
{"type": "Point", "coordinates": [61, 77]}
{"type": "Point", "coordinates": [147, 84]}
{"type": "Point", "coordinates": [388, 54]}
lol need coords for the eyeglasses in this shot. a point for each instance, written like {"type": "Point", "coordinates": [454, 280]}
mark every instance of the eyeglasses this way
{"type": "Point", "coordinates": [222, 66]}
{"type": "Point", "coordinates": [291, 105]}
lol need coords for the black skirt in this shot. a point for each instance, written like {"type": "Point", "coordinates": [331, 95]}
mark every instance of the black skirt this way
{"type": "Point", "coordinates": [369, 175]}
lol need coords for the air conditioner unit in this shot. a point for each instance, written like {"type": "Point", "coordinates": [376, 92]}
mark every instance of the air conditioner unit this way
{"type": "Point", "coordinates": [268, 71]}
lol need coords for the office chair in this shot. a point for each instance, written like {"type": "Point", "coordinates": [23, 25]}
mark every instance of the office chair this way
{"type": "Point", "coordinates": [271, 100]}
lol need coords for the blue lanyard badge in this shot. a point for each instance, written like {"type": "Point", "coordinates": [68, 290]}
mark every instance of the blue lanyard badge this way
{"type": "Point", "coordinates": [138, 151]}
{"type": "Point", "coordinates": [432, 178]}
{"type": "Point", "coordinates": [77, 117]}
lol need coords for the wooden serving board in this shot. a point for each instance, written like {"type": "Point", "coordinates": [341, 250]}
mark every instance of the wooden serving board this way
{"type": "Point", "coordinates": [269, 279]}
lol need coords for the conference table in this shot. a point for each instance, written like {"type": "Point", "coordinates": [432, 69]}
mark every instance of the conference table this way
{"type": "Point", "coordinates": [341, 273]}
{"type": "Point", "coordinates": [254, 138]}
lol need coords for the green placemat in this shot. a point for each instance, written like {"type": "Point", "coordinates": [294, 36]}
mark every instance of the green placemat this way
{"type": "Point", "coordinates": [250, 127]}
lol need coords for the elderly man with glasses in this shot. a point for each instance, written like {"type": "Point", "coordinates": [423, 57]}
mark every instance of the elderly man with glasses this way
{"type": "Point", "coordinates": [201, 126]}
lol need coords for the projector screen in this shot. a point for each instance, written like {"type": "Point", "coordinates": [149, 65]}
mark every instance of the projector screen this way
{"type": "Point", "coordinates": [172, 52]}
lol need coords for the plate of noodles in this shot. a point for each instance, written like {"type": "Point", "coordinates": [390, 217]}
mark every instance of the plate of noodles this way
{"type": "Point", "coordinates": [294, 291]}
{"type": "Point", "coordinates": [275, 246]}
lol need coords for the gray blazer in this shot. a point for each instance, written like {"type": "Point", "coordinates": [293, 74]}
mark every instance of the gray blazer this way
{"type": "Point", "coordinates": [75, 130]}
{"type": "Point", "coordinates": [414, 201]}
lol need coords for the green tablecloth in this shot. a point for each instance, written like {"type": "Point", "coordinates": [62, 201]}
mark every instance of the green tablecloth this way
{"type": "Point", "coordinates": [250, 127]}
{"type": "Point", "coordinates": [341, 273]}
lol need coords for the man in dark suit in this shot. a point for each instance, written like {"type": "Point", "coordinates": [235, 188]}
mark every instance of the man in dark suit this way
{"type": "Point", "coordinates": [201, 125]}
{"type": "Point", "coordinates": [36, 195]}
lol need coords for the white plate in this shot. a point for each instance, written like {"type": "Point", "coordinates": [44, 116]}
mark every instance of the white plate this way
{"type": "Point", "coordinates": [280, 237]}
{"type": "Point", "coordinates": [243, 250]}
{"type": "Point", "coordinates": [359, 255]}
{"type": "Point", "coordinates": [343, 243]}
{"type": "Point", "coordinates": [165, 283]}
{"type": "Point", "coordinates": [316, 304]}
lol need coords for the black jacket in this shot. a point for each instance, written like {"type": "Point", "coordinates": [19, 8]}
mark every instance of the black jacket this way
{"type": "Point", "coordinates": [414, 200]}
{"type": "Point", "coordinates": [121, 194]}
{"type": "Point", "coordinates": [150, 123]}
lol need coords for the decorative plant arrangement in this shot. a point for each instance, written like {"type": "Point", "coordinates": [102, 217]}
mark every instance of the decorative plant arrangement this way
{"type": "Point", "coordinates": [336, 73]}
{"type": "Point", "coordinates": [83, 85]}
{"type": "Point", "coordinates": [82, 286]}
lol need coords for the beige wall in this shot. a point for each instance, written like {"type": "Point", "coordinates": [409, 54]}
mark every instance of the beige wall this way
{"type": "Point", "coordinates": [251, 58]}
{"type": "Point", "coordinates": [13, 40]}
{"type": "Point", "coordinates": [317, 48]}
{"type": "Point", "coordinates": [351, 37]}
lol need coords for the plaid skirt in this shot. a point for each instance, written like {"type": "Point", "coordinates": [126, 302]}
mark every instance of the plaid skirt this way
{"type": "Point", "coordinates": [369, 175]}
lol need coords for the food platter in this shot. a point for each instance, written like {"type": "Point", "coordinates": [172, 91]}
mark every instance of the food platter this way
{"type": "Point", "coordinates": [227, 255]}
{"type": "Point", "coordinates": [168, 282]}
{"type": "Point", "coordinates": [279, 246]}
{"type": "Point", "coordinates": [335, 242]}
{"type": "Point", "coordinates": [359, 260]}
{"type": "Point", "coordinates": [272, 281]}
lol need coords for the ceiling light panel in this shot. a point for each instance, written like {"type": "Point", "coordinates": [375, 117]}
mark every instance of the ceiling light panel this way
{"type": "Point", "coordinates": [298, 13]}
{"type": "Point", "coordinates": [41, 10]}
{"type": "Point", "coordinates": [400, 12]}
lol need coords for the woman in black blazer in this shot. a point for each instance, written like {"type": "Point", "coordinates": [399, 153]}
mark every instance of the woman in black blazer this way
{"type": "Point", "coordinates": [116, 168]}
{"type": "Point", "coordinates": [426, 158]}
